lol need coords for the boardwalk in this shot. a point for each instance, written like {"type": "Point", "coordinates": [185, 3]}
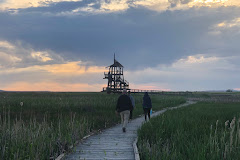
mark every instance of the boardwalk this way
{"type": "Point", "coordinates": [112, 143]}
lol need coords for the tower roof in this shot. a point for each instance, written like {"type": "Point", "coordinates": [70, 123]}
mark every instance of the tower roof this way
{"type": "Point", "coordinates": [116, 64]}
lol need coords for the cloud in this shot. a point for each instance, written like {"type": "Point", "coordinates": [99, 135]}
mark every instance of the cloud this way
{"type": "Point", "coordinates": [226, 25]}
{"type": "Point", "coordinates": [117, 5]}
{"type": "Point", "coordinates": [225, 35]}
{"type": "Point", "coordinates": [70, 76]}
{"type": "Point", "coordinates": [20, 54]}
{"type": "Point", "coordinates": [6, 59]}
{"type": "Point", "coordinates": [163, 5]}
{"type": "Point", "coordinates": [150, 36]}
{"type": "Point", "coordinates": [6, 45]}
{"type": "Point", "coordinates": [73, 68]}
{"type": "Point", "coordinates": [41, 56]}
{"type": "Point", "coordinates": [16, 4]}
{"type": "Point", "coordinates": [198, 59]}
{"type": "Point", "coordinates": [45, 71]}
{"type": "Point", "coordinates": [40, 60]}
{"type": "Point", "coordinates": [196, 72]}
{"type": "Point", "coordinates": [108, 6]}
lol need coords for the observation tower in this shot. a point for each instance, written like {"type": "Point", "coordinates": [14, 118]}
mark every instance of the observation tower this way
{"type": "Point", "coordinates": [115, 77]}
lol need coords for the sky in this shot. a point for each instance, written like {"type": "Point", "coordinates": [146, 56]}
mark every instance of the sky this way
{"type": "Point", "coordinates": [169, 45]}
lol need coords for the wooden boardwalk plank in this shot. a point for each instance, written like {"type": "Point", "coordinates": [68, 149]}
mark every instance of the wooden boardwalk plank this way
{"type": "Point", "coordinates": [112, 143]}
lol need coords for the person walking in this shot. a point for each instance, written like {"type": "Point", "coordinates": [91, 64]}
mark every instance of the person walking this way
{"type": "Point", "coordinates": [133, 104]}
{"type": "Point", "coordinates": [147, 105]}
{"type": "Point", "coordinates": [124, 105]}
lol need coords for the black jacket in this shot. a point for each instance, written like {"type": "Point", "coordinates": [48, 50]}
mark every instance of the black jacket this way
{"type": "Point", "coordinates": [147, 103]}
{"type": "Point", "coordinates": [124, 103]}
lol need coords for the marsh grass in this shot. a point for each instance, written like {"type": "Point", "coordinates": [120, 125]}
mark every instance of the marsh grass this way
{"type": "Point", "coordinates": [42, 125]}
{"type": "Point", "coordinates": [200, 131]}
{"type": "Point", "coordinates": [226, 142]}
{"type": "Point", "coordinates": [21, 139]}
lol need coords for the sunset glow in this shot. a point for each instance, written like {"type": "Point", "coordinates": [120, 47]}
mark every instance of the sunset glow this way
{"type": "Point", "coordinates": [54, 87]}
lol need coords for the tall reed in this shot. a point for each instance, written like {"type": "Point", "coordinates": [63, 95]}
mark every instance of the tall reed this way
{"type": "Point", "coordinates": [21, 139]}
{"type": "Point", "coordinates": [200, 131]}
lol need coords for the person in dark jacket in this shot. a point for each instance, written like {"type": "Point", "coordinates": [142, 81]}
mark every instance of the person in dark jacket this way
{"type": "Point", "coordinates": [124, 105]}
{"type": "Point", "coordinates": [147, 105]}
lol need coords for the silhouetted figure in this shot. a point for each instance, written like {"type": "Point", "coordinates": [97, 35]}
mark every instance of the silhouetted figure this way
{"type": "Point", "coordinates": [124, 105]}
{"type": "Point", "coordinates": [147, 105]}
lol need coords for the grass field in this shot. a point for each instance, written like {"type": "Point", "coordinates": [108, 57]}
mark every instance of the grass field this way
{"type": "Point", "coordinates": [206, 130]}
{"type": "Point", "coordinates": [42, 125]}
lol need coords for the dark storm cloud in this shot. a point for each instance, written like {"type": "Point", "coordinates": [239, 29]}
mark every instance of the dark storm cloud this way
{"type": "Point", "coordinates": [139, 37]}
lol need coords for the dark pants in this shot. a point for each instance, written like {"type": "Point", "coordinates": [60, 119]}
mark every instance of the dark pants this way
{"type": "Point", "coordinates": [130, 116]}
{"type": "Point", "coordinates": [147, 112]}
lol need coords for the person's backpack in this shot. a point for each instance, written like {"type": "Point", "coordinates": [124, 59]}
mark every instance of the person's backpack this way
{"type": "Point", "coordinates": [147, 103]}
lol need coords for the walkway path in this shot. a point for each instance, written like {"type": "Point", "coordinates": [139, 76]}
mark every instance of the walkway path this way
{"type": "Point", "coordinates": [112, 143]}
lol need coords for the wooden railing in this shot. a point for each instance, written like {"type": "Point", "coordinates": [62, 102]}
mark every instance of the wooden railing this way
{"type": "Point", "coordinates": [160, 92]}
{"type": "Point", "coordinates": [152, 91]}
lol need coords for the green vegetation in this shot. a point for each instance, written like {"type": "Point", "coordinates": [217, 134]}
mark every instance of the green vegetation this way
{"type": "Point", "coordinates": [205, 130]}
{"type": "Point", "coordinates": [41, 125]}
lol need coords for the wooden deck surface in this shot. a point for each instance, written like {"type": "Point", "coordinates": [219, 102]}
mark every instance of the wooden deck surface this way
{"type": "Point", "coordinates": [112, 143]}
